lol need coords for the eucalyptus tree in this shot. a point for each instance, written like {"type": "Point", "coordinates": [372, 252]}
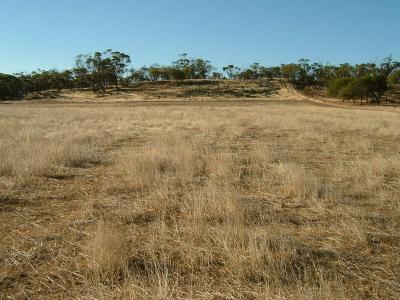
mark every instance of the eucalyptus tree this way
{"type": "Point", "coordinates": [231, 71]}
{"type": "Point", "coordinates": [117, 64]}
{"type": "Point", "coordinates": [101, 68]}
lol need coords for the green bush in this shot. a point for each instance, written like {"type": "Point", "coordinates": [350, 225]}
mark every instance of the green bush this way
{"type": "Point", "coordinates": [370, 87]}
{"type": "Point", "coordinates": [394, 78]}
{"type": "Point", "coordinates": [375, 87]}
{"type": "Point", "coordinates": [354, 90]}
{"type": "Point", "coordinates": [335, 86]}
{"type": "Point", "coordinates": [10, 87]}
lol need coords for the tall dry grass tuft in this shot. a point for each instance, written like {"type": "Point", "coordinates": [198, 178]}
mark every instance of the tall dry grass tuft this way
{"type": "Point", "coordinates": [80, 153]}
{"type": "Point", "coordinates": [297, 182]}
{"type": "Point", "coordinates": [143, 168]}
{"type": "Point", "coordinates": [212, 203]}
{"type": "Point", "coordinates": [108, 253]}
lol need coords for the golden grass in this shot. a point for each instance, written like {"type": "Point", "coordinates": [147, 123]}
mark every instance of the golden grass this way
{"type": "Point", "coordinates": [274, 201]}
{"type": "Point", "coordinates": [30, 152]}
{"type": "Point", "coordinates": [108, 252]}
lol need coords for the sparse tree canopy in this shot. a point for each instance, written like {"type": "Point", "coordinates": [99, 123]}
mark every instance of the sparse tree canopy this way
{"type": "Point", "coordinates": [290, 71]}
{"type": "Point", "coordinates": [197, 68]}
{"type": "Point", "coordinates": [138, 75]}
{"type": "Point", "coordinates": [176, 73]}
{"type": "Point", "coordinates": [217, 75]}
{"type": "Point", "coordinates": [118, 63]}
{"type": "Point", "coordinates": [231, 71]}
{"type": "Point", "coordinates": [100, 70]}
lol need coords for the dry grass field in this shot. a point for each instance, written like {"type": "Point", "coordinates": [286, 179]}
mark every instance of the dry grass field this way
{"type": "Point", "coordinates": [281, 200]}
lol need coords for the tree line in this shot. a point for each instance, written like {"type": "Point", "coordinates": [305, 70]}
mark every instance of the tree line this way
{"type": "Point", "coordinates": [101, 70]}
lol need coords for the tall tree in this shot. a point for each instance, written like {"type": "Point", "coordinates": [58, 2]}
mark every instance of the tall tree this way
{"type": "Point", "coordinates": [101, 68]}
{"type": "Point", "coordinates": [200, 68]}
{"type": "Point", "coordinates": [231, 71]}
{"type": "Point", "coordinates": [118, 63]}
{"type": "Point", "coordinates": [388, 65]}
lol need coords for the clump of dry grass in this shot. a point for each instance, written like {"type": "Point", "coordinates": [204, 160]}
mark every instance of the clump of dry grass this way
{"type": "Point", "coordinates": [297, 182]}
{"type": "Point", "coordinates": [212, 203]}
{"type": "Point", "coordinates": [142, 169]}
{"type": "Point", "coordinates": [108, 252]}
{"type": "Point", "coordinates": [80, 153]}
{"type": "Point", "coordinates": [171, 160]}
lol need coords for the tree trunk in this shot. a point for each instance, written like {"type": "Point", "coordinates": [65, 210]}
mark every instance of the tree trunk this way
{"type": "Point", "coordinates": [102, 87]}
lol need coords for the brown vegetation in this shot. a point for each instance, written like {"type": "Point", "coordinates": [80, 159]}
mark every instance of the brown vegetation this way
{"type": "Point", "coordinates": [271, 201]}
{"type": "Point", "coordinates": [169, 90]}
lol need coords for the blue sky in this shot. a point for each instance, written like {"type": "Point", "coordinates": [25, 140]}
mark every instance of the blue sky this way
{"type": "Point", "coordinates": [50, 33]}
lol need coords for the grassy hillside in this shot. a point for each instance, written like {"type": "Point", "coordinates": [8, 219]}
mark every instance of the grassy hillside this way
{"type": "Point", "coordinates": [207, 88]}
{"type": "Point", "coordinates": [179, 90]}
{"type": "Point", "coordinates": [224, 90]}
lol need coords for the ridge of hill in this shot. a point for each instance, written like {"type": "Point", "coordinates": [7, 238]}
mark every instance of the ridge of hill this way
{"type": "Point", "coordinates": [201, 90]}
{"type": "Point", "coordinates": [178, 90]}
